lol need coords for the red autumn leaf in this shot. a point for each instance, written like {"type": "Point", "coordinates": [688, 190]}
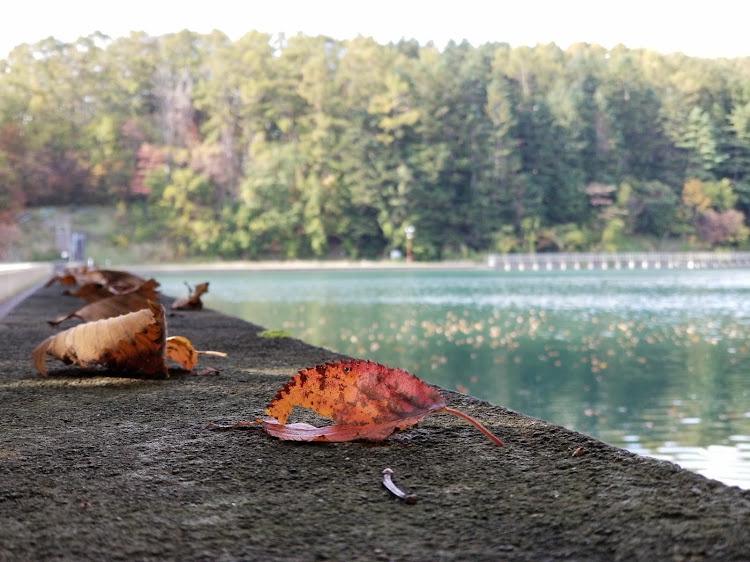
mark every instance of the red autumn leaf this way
{"type": "Point", "coordinates": [365, 400]}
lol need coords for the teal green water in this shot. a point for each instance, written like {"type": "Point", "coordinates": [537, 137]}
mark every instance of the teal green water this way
{"type": "Point", "coordinates": [657, 362]}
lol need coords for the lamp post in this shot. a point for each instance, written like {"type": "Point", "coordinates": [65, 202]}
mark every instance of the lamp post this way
{"type": "Point", "coordinates": [409, 229]}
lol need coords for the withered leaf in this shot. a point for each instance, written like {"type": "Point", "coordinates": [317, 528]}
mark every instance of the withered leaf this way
{"type": "Point", "coordinates": [180, 350]}
{"type": "Point", "coordinates": [110, 307]}
{"type": "Point", "coordinates": [366, 400]}
{"type": "Point", "coordinates": [92, 292]}
{"type": "Point", "coordinates": [80, 276]}
{"type": "Point", "coordinates": [131, 342]}
{"type": "Point", "coordinates": [193, 302]}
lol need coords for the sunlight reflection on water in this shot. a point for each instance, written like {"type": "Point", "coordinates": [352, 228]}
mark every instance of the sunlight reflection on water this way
{"type": "Point", "coordinates": [655, 362]}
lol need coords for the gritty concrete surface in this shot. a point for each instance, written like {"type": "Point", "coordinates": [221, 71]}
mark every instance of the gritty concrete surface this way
{"type": "Point", "coordinates": [100, 466]}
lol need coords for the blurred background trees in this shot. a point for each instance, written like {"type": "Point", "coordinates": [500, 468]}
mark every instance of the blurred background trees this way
{"type": "Point", "coordinates": [299, 147]}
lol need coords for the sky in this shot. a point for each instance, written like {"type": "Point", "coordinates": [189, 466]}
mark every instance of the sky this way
{"type": "Point", "coordinates": [696, 28]}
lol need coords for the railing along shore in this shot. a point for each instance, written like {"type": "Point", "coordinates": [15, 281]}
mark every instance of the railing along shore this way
{"type": "Point", "coordinates": [620, 260]}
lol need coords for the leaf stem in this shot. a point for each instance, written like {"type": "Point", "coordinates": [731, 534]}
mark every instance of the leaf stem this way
{"type": "Point", "coordinates": [474, 422]}
{"type": "Point", "coordinates": [216, 353]}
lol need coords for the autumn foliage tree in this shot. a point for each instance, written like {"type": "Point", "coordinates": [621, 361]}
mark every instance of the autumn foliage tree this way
{"type": "Point", "coordinates": [274, 146]}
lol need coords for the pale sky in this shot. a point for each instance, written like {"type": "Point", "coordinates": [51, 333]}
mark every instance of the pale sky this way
{"type": "Point", "coordinates": [716, 28]}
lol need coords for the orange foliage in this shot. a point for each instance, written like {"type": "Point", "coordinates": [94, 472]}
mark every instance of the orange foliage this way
{"type": "Point", "coordinates": [366, 400]}
{"type": "Point", "coordinates": [180, 350]}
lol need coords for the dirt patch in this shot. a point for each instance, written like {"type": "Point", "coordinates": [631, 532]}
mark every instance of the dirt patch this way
{"type": "Point", "coordinates": [96, 466]}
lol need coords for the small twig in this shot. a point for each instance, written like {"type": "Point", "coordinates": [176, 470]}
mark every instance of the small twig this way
{"type": "Point", "coordinates": [239, 425]}
{"type": "Point", "coordinates": [388, 483]}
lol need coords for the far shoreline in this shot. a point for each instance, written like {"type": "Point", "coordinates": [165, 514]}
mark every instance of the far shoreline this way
{"type": "Point", "coordinates": [305, 265]}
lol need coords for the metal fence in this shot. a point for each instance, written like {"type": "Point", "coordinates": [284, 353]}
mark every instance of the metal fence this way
{"type": "Point", "coordinates": [620, 260]}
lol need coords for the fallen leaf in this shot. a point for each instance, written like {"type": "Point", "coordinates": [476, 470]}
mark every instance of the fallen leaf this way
{"type": "Point", "coordinates": [366, 400]}
{"type": "Point", "coordinates": [180, 350]}
{"type": "Point", "coordinates": [116, 305]}
{"type": "Point", "coordinates": [82, 275]}
{"type": "Point", "coordinates": [92, 292]}
{"type": "Point", "coordinates": [123, 282]}
{"type": "Point", "coordinates": [131, 342]}
{"type": "Point", "coordinates": [193, 302]}
{"type": "Point", "coordinates": [65, 278]}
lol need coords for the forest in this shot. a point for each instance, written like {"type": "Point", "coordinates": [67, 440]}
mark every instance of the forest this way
{"type": "Point", "coordinates": [281, 147]}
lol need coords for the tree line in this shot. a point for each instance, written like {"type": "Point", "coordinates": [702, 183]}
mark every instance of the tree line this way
{"type": "Point", "coordinates": [291, 147]}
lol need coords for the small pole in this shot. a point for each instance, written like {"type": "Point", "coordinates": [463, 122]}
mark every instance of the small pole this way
{"type": "Point", "coordinates": [409, 229]}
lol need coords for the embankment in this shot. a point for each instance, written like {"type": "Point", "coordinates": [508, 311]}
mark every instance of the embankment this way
{"type": "Point", "coordinates": [96, 466]}
{"type": "Point", "coordinates": [16, 281]}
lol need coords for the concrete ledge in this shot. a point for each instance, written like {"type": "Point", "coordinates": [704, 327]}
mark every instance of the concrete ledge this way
{"type": "Point", "coordinates": [95, 466]}
{"type": "Point", "coordinates": [14, 277]}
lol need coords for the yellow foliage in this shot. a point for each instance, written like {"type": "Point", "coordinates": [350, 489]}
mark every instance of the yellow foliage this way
{"type": "Point", "coordinates": [694, 196]}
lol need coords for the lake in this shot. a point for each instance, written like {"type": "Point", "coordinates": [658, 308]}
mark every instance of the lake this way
{"type": "Point", "coordinates": [657, 362]}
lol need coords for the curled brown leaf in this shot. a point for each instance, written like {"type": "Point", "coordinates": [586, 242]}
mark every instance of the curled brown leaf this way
{"type": "Point", "coordinates": [116, 305]}
{"type": "Point", "coordinates": [130, 342]}
{"type": "Point", "coordinates": [193, 302]}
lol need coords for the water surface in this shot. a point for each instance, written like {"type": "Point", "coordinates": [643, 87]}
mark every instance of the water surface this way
{"type": "Point", "coordinates": [653, 361]}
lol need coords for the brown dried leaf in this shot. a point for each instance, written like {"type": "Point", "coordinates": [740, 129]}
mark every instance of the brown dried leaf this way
{"type": "Point", "coordinates": [193, 302]}
{"type": "Point", "coordinates": [131, 342]}
{"type": "Point", "coordinates": [110, 307]}
{"type": "Point", "coordinates": [92, 292]}
{"type": "Point", "coordinates": [123, 282]}
{"type": "Point", "coordinates": [82, 275]}
{"type": "Point", "coordinates": [64, 278]}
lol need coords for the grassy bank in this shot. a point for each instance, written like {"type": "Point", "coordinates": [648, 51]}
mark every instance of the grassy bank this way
{"type": "Point", "coordinates": [43, 233]}
{"type": "Point", "coordinates": [113, 240]}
